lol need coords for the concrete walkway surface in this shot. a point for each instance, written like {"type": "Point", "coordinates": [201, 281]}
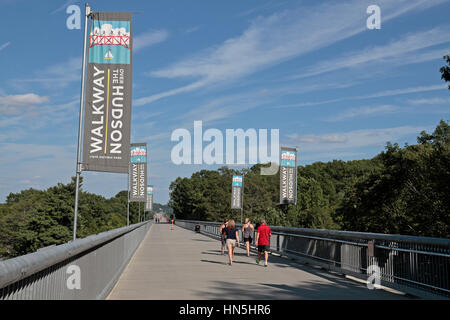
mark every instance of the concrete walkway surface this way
{"type": "Point", "coordinates": [182, 264]}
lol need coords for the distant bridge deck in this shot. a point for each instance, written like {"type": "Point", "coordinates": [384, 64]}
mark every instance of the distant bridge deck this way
{"type": "Point", "coordinates": [181, 264]}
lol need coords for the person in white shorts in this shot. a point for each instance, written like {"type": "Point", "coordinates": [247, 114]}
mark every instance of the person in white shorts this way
{"type": "Point", "coordinates": [232, 239]}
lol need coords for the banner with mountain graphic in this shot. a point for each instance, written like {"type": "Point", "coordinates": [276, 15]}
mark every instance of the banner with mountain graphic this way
{"type": "Point", "coordinates": [149, 202]}
{"type": "Point", "coordinates": [236, 192]}
{"type": "Point", "coordinates": [138, 172]}
{"type": "Point", "coordinates": [107, 117]}
{"type": "Point", "coordinates": [288, 176]}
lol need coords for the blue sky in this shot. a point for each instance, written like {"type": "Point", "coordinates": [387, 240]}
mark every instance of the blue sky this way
{"type": "Point", "coordinates": [311, 69]}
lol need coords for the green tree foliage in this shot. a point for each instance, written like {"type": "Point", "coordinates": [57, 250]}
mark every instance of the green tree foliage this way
{"type": "Point", "coordinates": [402, 191]}
{"type": "Point", "coordinates": [445, 70]}
{"type": "Point", "coordinates": [411, 193]}
{"type": "Point", "coordinates": [33, 219]}
{"type": "Point", "coordinates": [206, 195]}
{"type": "Point", "coordinates": [196, 198]}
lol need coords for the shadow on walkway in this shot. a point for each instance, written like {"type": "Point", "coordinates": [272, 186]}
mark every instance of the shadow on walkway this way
{"type": "Point", "coordinates": [265, 290]}
{"type": "Point", "coordinates": [335, 286]}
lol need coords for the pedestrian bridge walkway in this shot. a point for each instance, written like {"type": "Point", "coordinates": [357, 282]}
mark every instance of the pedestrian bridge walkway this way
{"type": "Point", "coordinates": [182, 264]}
{"type": "Point", "coordinates": [151, 261]}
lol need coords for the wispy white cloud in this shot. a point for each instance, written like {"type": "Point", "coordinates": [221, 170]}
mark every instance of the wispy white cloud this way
{"type": "Point", "coordinates": [363, 112]}
{"type": "Point", "coordinates": [297, 88]}
{"type": "Point", "coordinates": [22, 99]}
{"type": "Point", "coordinates": [20, 160]}
{"type": "Point", "coordinates": [385, 93]}
{"type": "Point", "coordinates": [25, 116]}
{"type": "Point", "coordinates": [399, 51]}
{"type": "Point", "coordinates": [432, 101]}
{"type": "Point", "coordinates": [352, 140]}
{"type": "Point", "coordinates": [3, 46]}
{"type": "Point", "coordinates": [146, 100]}
{"type": "Point", "coordinates": [10, 135]}
{"type": "Point", "coordinates": [275, 39]}
{"type": "Point", "coordinates": [327, 156]}
{"type": "Point", "coordinates": [149, 38]}
{"type": "Point", "coordinates": [192, 29]}
{"type": "Point", "coordinates": [148, 115]}
{"type": "Point", "coordinates": [19, 163]}
{"type": "Point", "coordinates": [395, 92]}
{"type": "Point", "coordinates": [62, 68]}
{"type": "Point", "coordinates": [58, 75]}
{"type": "Point", "coordinates": [64, 6]}
{"type": "Point", "coordinates": [158, 137]}
{"type": "Point", "coordinates": [15, 153]}
{"type": "Point", "coordinates": [420, 57]}
{"type": "Point", "coordinates": [226, 106]}
{"type": "Point", "coordinates": [13, 104]}
{"type": "Point", "coordinates": [309, 104]}
{"type": "Point", "coordinates": [265, 6]}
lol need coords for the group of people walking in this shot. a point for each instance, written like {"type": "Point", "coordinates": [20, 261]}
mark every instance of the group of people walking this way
{"type": "Point", "coordinates": [230, 238]}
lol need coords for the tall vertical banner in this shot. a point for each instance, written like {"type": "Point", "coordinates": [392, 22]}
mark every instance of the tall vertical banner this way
{"type": "Point", "coordinates": [107, 117]}
{"type": "Point", "coordinates": [236, 192]}
{"type": "Point", "coordinates": [288, 176]}
{"type": "Point", "coordinates": [149, 202]}
{"type": "Point", "coordinates": [138, 172]}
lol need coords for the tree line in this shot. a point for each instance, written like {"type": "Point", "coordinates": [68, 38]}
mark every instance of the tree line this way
{"type": "Point", "coordinates": [402, 190]}
{"type": "Point", "coordinates": [33, 219]}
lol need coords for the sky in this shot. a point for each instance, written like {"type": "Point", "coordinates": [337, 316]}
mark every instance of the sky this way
{"type": "Point", "coordinates": [311, 69]}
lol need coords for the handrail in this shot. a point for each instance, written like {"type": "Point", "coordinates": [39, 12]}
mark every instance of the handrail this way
{"type": "Point", "coordinates": [18, 268]}
{"type": "Point", "coordinates": [348, 234]}
{"type": "Point", "coordinates": [417, 265]}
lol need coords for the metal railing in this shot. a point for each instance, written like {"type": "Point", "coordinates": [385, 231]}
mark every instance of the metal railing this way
{"type": "Point", "coordinates": [86, 268]}
{"type": "Point", "coordinates": [415, 265]}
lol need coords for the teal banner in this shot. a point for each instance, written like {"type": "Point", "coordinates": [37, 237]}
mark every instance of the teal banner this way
{"type": "Point", "coordinates": [138, 172]}
{"type": "Point", "coordinates": [236, 192]}
{"type": "Point", "coordinates": [288, 176]}
{"type": "Point", "coordinates": [149, 202]}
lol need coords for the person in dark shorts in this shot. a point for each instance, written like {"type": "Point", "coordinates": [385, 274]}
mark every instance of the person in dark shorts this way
{"type": "Point", "coordinates": [263, 241]}
{"type": "Point", "coordinates": [223, 235]}
{"type": "Point", "coordinates": [232, 239]}
{"type": "Point", "coordinates": [247, 233]}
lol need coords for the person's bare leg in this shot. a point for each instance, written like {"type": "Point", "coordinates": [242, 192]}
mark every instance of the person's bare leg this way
{"type": "Point", "coordinates": [266, 256]}
{"type": "Point", "coordinates": [247, 246]}
{"type": "Point", "coordinates": [230, 253]}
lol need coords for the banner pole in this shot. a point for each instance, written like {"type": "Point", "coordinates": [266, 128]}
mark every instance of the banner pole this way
{"type": "Point", "coordinates": [128, 212]}
{"type": "Point", "coordinates": [139, 217]}
{"type": "Point", "coordinates": [295, 215]}
{"type": "Point", "coordinates": [296, 192]}
{"type": "Point", "coordinates": [296, 183]}
{"type": "Point", "coordinates": [242, 197]}
{"type": "Point", "coordinates": [79, 168]}
{"type": "Point", "coordinates": [128, 196]}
